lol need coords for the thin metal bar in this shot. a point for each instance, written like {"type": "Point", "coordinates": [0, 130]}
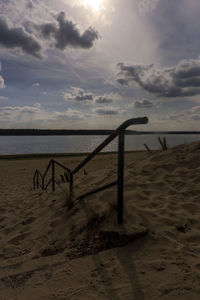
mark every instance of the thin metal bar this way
{"type": "Point", "coordinates": [45, 187]}
{"type": "Point", "coordinates": [49, 165]}
{"type": "Point", "coordinates": [39, 173]}
{"type": "Point", "coordinates": [37, 182]}
{"type": "Point", "coordinates": [120, 131]}
{"type": "Point", "coordinates": [53, 176]}
{"type": "Point", "coordinates": [97, 190]}
{"type": "Point", "coordinates": [109, 139]}
{"type": "Point", "coordinates": [95, 152]}
{"type": "Point", "coordinates": [43, 183]}
{"type": "Point", "coordinates": [120, 186]}
{"type": "Point", "coordinates": [59, 164]}
{"type": "Point", "coordinates": [34, 180]}
{"type": "Point", "coordinates": [71, 182]}
{"type": "Point", "coordinates": [66, 177]}
{"type": "Point", "coordinates": [39, 185]}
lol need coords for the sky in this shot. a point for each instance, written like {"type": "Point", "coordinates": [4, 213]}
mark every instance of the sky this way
{"type": "Point", "coordinates": [92, 64]}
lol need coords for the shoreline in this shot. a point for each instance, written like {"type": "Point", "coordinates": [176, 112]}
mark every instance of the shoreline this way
{"type": "Point", "coordinates": [49, 155]}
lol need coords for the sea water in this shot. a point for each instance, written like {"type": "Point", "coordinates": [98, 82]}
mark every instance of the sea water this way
{"type": "Point", "coordinates": [76, 144]}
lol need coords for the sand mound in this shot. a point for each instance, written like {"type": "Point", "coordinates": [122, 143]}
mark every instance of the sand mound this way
{"type": "Point", "coordinates": [41, 234]}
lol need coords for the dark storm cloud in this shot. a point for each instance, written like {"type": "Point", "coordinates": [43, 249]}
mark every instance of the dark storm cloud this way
{"type": "Point", "coordinates": [143, 104]}
{"type": "Point", "coordinates": [16, 38]}
{"type": "Point", "coordinates": [66, 34]}
{"type": "Point", "coordinates": [106, 111]}
{"type": "Point", "coordinates": [83, 97]}
{"type": "Point", "coordinates": [103, 100]}
{"type": "Point", "coordinates": [181, 80]}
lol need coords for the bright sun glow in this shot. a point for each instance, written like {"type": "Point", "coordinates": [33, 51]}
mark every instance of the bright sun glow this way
{"type": "Point", "coordinates": [94, 4]}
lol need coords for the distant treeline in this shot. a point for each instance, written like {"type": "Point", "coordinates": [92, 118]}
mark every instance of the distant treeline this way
{"type": "Point", "coordinates": [30, 132]}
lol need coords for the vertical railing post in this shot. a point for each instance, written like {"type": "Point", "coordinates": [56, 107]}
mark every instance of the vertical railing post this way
{"type": "Point", "coordinates": [53, 176]}
{"type": "Point", "coordinates": [34, 183]}
{"type": "Point", "coordinates": [120, 183]}
{"type": "Point", "coordinates": [37, 180]}
{"type": "Point", "coordinates": [71, 182]}
{"type": "Point", "coordinates": [43, 182]}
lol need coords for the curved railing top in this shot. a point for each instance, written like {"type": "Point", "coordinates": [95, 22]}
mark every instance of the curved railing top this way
{"type": "Point", "coordinates": [110, 138]}
{"type": "Point", "coordinates": [133, 121]}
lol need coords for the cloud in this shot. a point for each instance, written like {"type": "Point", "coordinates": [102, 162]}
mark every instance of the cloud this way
{"type": "Point", "coordinates": [35, 84]}
{"type": "Point", "coordinates": [79, 95]}
{"type": "Point", "coordinates": [107, 98]}
{"type": "Point", "coordinates": [103, 100]}
{"type": "Point", "coordinates": [2, 84]}
{"type": "Point", "coordinates": [192, 114]}
{"type": "Point", "coordinates": [27, 115]}
{"type": "Point", "coordinates": [16, 38]}
{"type": "Point", "coordinates": [176, 29]}
{"type": "Point", "coordinates": [30, 5]}
{"type": "Point", "coordinates": [146, 6]}
{"type": "Point", "coordinates": [18, 113]}
{"type": "Point", "coordinates": [3, 98]}
{"type": "Point", "coordinates": [66, 34]}
{"type": "Point", "coordinates": [107, 111]}
{"type": "Point", "coordinates": [178, 81]}
{"type": "Point", "coordinates": [143, 104]}
{"type": "Point", "coordinates": [69, 114]}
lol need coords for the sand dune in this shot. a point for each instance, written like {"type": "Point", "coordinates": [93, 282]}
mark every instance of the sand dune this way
{"type": "Point", "coordinates": [50, 250]}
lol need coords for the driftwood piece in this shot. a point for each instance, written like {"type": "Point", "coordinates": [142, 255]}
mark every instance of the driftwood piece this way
{"type": "Point", "coordinates": [147, 148]}
{"type": "Point", "coordinates": [163, 143]}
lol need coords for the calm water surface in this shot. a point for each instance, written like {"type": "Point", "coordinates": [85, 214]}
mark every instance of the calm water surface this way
{"type": "Point", "coordinates": [71, 144]}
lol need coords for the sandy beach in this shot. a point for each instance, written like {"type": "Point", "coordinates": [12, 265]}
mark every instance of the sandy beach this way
{"type": "Point", "coordinates": [51, 250]}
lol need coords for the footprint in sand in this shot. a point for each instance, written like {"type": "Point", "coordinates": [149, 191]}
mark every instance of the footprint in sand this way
{"type": "Point", "coordinates": [191, 208]}
{"type": "Point", "coordinates": [197, 266]}
{"type": "Point", "coordinates": [7, 230]}
{"type": "Point", "coordinates": [2, 210]}
{"type": "Point", "coordinates": [2, 219]}
{"type": "Point", "coordinates": [28, 221]}
{"type": "Point", "coordinates": [16, 240]}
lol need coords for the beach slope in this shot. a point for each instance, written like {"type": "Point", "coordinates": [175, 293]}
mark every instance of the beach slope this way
{"type": "Point", "coordinates": [55, 247]}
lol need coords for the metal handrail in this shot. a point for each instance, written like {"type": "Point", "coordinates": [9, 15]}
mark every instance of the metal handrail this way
{"type": "Point", "coordinates": [109, 139]}
{"type": "Point", "coordinates": [47, 169]}
{"type": "Point", "coordinates": [120, 132]}
{"type": "Point", "coordinates": [60, 165]}
{"type": "Point", "coordinates": [51, 163]}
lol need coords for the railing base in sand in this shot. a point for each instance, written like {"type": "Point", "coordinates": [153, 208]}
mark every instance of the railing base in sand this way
{"type": "Point", "coordinates": [69, 174]}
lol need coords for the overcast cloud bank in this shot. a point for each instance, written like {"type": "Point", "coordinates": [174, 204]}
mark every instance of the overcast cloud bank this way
{"type": "Point", "coordinates": [66, 34]}
{"type": "Point", "coordinates": [11, 38]}
{"type": "Point", "coordinates": [178, 81]}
